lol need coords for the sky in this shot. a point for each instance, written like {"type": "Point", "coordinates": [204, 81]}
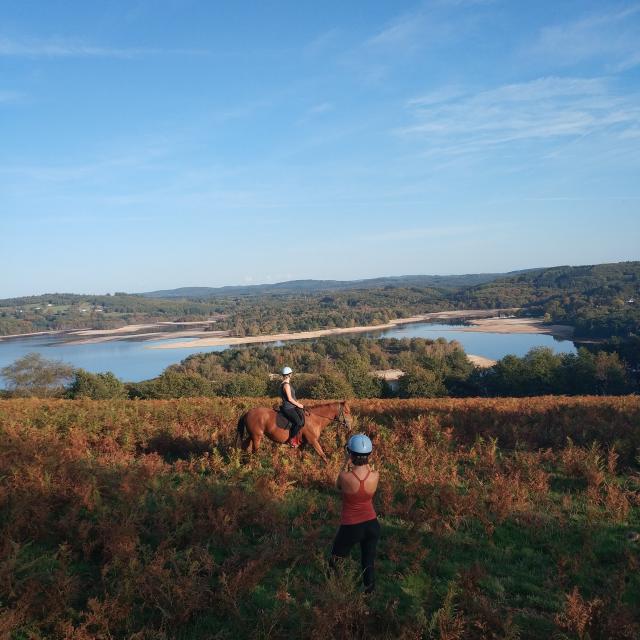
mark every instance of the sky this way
{"type": "Point", "coordinates": [152, 144]}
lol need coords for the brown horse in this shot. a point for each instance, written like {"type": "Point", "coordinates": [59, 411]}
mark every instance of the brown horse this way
{"type": "Point", "coordinates": [261, 421]}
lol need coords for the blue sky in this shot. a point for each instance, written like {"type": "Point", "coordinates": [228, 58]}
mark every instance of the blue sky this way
{"type": "Point", "coordinates": [163, 143]}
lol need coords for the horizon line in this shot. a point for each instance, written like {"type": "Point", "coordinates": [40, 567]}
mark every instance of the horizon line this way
{"type": "Point", "coordinates": [266, 284]}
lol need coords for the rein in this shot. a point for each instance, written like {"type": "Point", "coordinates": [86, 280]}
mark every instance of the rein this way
{"type": "Point", "coordinates": [339, 418]}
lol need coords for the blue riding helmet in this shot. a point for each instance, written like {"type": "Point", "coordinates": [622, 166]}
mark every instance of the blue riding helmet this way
{"type": "Point", "coordinates": [360, 444]}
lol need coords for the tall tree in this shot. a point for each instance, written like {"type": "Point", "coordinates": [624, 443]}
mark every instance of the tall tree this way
{"type": "Point", "coordinates": [33, 375]}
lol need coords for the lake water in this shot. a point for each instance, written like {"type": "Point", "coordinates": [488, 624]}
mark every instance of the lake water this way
{"type": "Point", "coordinates": [133, 360]}
{"type": "Point", "coordinates": [489, 345]}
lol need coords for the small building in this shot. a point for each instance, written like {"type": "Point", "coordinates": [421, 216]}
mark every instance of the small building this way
{"type": "Point", "coordinates": [390, 376]}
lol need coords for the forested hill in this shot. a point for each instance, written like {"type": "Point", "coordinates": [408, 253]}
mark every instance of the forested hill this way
{"type": "Point", "coordinates": [315, 286]}
{"type": "Point", "coordinates": [598, 300]}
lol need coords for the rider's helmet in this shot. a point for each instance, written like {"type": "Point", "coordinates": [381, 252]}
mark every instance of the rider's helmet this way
{"type": "Point", "coordinates": [360, 445]}
{"type": "Point", "coordinates": [286, 371]}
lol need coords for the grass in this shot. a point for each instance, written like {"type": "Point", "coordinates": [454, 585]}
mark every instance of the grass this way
{"type": "Point", "coordinates": [140, 520]}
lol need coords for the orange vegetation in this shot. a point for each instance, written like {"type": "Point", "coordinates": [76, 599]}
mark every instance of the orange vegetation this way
{"type": "Point", "coordinates": [140, 519]}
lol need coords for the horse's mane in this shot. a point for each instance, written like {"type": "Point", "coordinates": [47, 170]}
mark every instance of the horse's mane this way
{"type": "Point", "coordinates": [325, 404]}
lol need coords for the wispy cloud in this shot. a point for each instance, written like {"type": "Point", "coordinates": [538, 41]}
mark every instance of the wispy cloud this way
{"type": "Point", "coordinates": [323, 42]}
{"type": "Point", "coordinates": [403, 32]}
{"type": "Point", "coordinates": [463, 3]}
{"type": "Point", "coordinates": [545, 108]}
{"type": "Point", "coordinates": [69, 48]}
{"type": "Point", "coordinates": [10, 96]}
{"type": "Point", "coordinates": [315, 111]}
{"type": "Point", "coordinates": [442, 94]}
{"type": "Point", "coordinates": [613, 35]}
{"type": "Point", "coordinates": [144, 156]}
{"type": "Point", "coordinates": [424, 232]}
{"type": "Point", "coordinates": [323, 107]}
{"type": "Point", "coordinates": [373, 58]}
{"type": "Point", "coordinates": [431, 25]}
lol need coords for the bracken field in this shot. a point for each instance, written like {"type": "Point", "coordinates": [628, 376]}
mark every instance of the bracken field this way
{"type": "Point", "coordinates": [501, 518]}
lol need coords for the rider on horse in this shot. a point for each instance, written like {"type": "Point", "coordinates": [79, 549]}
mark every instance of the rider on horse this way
{"type": "Point", "coordinates": [291, 407]}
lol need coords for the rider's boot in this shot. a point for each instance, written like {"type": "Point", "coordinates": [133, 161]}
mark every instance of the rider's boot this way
{"type": "Point", "coordinates": [296, 441]}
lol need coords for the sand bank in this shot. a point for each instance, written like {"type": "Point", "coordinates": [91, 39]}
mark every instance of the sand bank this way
{"type": "Point", "coordinates": [389, 375]}
{"type": "Point", "coordinates": [155, 335]}
{"type": "Point", "coordinates": [136, 331]}
{"type": "Point", "coordinates": [31, 335]}
{"type": "Point", "coordinates": [129, 328]}
{"type": "Point", "coordinates": [481, 361]}
{"type": "Point", "coordinates": [517, 325]}
{"type": "Point", "coordinates": [320, 333]}
{"type": "Point", "coordinates": [120, 333]}
{"type": "Point", "coordinates": [393, 375]}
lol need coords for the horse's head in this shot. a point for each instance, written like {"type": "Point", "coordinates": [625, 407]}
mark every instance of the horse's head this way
{"type": "Point", "coordinates": [344, 417]}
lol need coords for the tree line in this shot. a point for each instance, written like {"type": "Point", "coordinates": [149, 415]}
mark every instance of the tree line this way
{"type": "Point", "coordinates": [600, 301]}
{"type": "Point", "coordinates": [340, 367]}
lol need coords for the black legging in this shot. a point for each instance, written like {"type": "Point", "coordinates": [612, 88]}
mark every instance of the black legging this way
{"type": "Point", "coordinates": [367, 534]}
{"type": "Point", "coordinates": [294, 414]}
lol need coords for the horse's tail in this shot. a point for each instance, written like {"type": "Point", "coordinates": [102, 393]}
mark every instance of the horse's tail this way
{"type": "Point", "coordinates": [240, 428]}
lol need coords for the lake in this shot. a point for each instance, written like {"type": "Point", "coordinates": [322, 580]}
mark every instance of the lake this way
{"type": "Point", "coordinates": [133, 360]}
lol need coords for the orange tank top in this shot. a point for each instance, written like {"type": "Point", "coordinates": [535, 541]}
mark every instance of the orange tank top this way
{"type": "Point", "coordinates": [357, 507]}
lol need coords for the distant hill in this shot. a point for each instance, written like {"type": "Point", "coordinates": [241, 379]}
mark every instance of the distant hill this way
{"type": "Point", "coordinates": [315, 286]}
{"type": "Point", "coordinates": [602, 282]}
{"type": "Point", "coordinates": [599, 301]}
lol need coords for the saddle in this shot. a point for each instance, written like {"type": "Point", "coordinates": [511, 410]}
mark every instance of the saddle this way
{"type": "Point", "coordinates": [283, 422]}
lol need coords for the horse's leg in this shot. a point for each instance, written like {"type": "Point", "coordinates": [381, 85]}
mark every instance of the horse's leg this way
{"type": "Point", "coordinates": [256, 439]}
{"type": "Point", "coordinates": [312, 439]}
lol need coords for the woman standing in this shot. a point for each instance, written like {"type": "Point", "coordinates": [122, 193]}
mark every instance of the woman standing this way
{"type": "Point", "coordinates": [291, 407]}
{"type": "Point", "coordinates": [358, 522]}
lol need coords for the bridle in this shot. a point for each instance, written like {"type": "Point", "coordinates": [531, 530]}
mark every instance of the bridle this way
{"type": "Point", "coordinates": [341, 419]}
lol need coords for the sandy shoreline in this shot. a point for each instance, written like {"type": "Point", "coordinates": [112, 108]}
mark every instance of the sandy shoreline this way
{"type": "Point", "coordinates": [517, 325]}
{"type": "Point", "coordinates": [483, 321]}
{"type": "Point", "coordinates": [133, 328]}
{"type": "Point", "coordinates": [33, 334]}
{"type": "Point", "coordinates": [480, 320]}
{"type": "Point", "coordinates": [129, 331]}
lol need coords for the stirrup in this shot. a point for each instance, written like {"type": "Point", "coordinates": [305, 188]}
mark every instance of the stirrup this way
{"type": "Point", "coordinates": [295, 442]}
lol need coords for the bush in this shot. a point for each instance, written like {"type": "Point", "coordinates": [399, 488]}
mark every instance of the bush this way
{"type": "Point", "coordinates": [244, 384]}
{"type": "Point", "coordinates": [172, 384]}
{"type": "Point", "coordinates": [97, 386]}
{"type": "Point", "coordinates": [328, 386]}
{"type": "Point", "coordinates": [421, 383]}
{"type": "Point", "coordinates": [357, 372]}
